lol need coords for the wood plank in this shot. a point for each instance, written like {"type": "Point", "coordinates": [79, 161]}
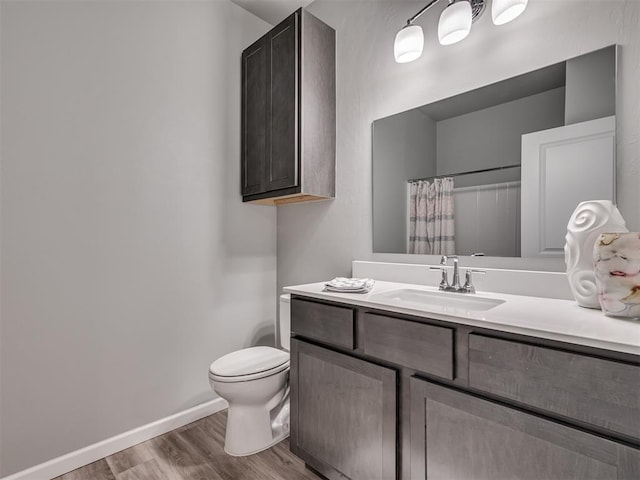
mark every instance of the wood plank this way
{"type": "Point", "coordinates": [179, 459]}
{"type": "Point", "coordinates": [149, 470]}
{"type": "Point", "coordinates": [129, 458]}
{"type": "Point", "coordinates": [94, 471]}
{"type": "Point", "coordinates": [287, 199]}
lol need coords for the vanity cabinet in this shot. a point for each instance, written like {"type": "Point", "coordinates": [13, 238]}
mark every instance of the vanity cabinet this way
{"type": "Point", "coordinates": [288, 113]}
{"type": "Point", "coordinates": [383, 395]}
{"type": "Point", "coordinates": [344, 412]}
{"type": "Point", "coordinates": [595, 391]}
{"type": "Point", "coordinates": [456, 435]}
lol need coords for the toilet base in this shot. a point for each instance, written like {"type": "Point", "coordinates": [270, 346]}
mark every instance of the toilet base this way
{"type": "Point", "coordinates": [252, 429]}
{"type": "Point", "coordinates": [275, 441]}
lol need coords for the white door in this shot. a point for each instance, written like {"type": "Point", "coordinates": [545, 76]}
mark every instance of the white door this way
{"type": "Point", "coordinates": [562, 167]}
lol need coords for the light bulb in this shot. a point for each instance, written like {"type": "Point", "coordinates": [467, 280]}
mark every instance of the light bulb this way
{"type": "Point", "coordinates": [409, 43]}
{"type": "Point", "coordinates": [455, 22]}
{"type": "Point", "coordinates": [503, 11]}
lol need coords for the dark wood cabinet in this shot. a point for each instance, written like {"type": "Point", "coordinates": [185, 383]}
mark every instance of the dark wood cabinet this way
{"type": "Point", "coordinates": [596, 391]}
{"type": "Point", "coordinates": [460, 436]}
{"type": "Point", "coordinates": [324, 323]}
{"type": "Point", "coordinates": [440, 400]}
{"type": "Point", "coordinates": [288, 113]}
{"type": "Point", "coordinates": [343, 413]}
{"type": "Point", "coordinates": [422, 347]}
{"type": "Point", "coordinates": [254, 112]}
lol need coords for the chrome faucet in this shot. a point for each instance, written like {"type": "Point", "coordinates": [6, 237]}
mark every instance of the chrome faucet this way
{"type": "Point", "coordinates": [444, 281]}
{"type": "Point", "coordinates": [455, 286]}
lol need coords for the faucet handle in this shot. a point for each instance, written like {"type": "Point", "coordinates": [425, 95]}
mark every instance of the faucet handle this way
{"type": "Point", "coordinates": [468, 284]}
{"type": "Point", "coordinates": [444, 282]}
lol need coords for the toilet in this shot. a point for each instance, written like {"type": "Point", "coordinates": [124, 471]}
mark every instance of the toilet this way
{"type": "Point", "coordinates": [255, 383]}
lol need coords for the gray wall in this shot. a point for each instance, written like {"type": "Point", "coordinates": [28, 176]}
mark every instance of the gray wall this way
{"type": "Point", "coordinates": [405, 148]}
{"type": "Point", "coordinates": [129, 262]}
{"type": "Point", "coordinates": [318, 241]}
{"type": "Point", "coordinates": [491, 137]}
{"type": "Point", "coordinates": [591, 90]}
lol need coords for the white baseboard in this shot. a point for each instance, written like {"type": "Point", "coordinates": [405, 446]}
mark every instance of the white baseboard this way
{"type": "Point", "coordinates": [60, 465]}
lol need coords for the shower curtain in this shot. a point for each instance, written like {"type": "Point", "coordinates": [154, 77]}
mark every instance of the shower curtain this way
{"type": "Point", "coordinates": [431, 226]}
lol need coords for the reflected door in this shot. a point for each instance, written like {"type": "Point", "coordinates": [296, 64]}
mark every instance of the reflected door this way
{"type": "Point", "coordinates": [562, 167]}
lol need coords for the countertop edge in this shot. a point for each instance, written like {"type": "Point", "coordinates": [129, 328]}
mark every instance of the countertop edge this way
{"type": "Point", "coordinates": [518, 315]}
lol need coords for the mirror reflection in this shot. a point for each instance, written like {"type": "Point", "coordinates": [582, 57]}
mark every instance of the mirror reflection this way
{"type": "Point", "coordinates": [498, 170]}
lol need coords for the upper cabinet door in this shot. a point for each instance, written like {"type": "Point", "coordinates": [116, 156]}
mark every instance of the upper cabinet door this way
{"type": "Point", "coordinates": [282, 120]}
{"type": "Point", "coordinates": [254, 114]}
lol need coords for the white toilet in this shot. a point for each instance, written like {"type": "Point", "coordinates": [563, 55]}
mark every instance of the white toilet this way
{"type": "Point", "coordinates": [255, 383]}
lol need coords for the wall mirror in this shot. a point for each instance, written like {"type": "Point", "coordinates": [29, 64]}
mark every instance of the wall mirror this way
{"type": "Point", "coordinates": [498, 170]}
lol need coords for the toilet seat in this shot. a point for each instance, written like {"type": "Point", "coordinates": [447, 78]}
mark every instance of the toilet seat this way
{"type": "Point", "coordinates": [249, 364]}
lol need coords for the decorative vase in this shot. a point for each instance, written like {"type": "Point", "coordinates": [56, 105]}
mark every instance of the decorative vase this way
{"type": "Point", "coordinates": [616, 261]}
{"type": "Point", "coordinates": [587, 222]}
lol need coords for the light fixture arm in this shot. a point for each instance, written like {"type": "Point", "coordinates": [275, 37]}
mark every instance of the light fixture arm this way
{"type": "Point", "coordinates": [477, 7]}
{"type": "Point", "coordinates": [422, 10]}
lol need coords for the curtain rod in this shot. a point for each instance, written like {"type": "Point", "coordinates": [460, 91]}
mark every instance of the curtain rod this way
{"type": "Point", "coordinates": [494, 169]}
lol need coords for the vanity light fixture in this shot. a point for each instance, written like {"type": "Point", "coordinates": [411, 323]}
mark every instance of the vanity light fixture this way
{"type": "Point", "coordinates": [454, 24]}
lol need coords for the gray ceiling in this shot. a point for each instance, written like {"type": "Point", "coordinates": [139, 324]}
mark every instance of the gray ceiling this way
{"type": "Point", "coordinates": [514, 88]}
{"type": "Point", "coordinates": [272, 11]}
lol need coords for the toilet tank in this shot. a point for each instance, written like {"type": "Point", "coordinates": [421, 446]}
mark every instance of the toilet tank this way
{"type": "Point", "coordinates": [285, 321]}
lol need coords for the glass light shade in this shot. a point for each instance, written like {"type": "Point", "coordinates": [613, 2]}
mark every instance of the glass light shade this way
{"type": "Point", "coordinates": [455, 22]}
{"type": "Point", "coordinates": [503, 11]}
{"type": "Point", "coordinates": [409, 43]}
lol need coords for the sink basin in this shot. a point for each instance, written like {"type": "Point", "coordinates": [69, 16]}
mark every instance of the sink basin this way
{"type": "Point", "coordinates": [438, 301]}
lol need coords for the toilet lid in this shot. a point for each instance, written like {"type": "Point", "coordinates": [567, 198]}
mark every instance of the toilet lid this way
{"type": "Point", "coordinates": [248, 361]}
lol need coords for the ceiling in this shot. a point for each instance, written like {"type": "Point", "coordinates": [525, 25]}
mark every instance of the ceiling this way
{"type": "Point", "coordinates": [272, 11]}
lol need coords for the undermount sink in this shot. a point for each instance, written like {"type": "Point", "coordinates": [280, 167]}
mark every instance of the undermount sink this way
{"type": "Point", "coordinates": [436, 300]}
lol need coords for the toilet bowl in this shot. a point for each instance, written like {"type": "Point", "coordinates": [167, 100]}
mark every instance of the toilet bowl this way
{"type": "Point", "coordinates": [255, 383]}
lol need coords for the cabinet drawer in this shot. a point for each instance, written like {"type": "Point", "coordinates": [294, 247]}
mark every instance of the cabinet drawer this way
{"type": "Point", "coordinates": [426, 348]}
{"type": "Point", "coordinates": [325, 323]}
{"type": "Point", "coordinates": [601, 392]}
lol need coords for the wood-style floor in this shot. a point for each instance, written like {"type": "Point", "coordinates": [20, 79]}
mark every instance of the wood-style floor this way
{"type": "Point", "coordinates": [195, 451]}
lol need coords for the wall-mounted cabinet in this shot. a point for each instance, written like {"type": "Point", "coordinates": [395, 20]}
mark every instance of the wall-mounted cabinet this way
{"type": "Point", "coordinates": [288, 113]}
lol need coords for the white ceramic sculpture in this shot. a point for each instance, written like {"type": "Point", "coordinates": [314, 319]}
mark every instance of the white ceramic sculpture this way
{"type": "Point", "coordinates": [587, 222]}
{"type": "Point", "coordinates": [616, 260]}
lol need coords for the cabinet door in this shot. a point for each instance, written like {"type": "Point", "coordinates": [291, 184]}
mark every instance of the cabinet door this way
{"type": "Point", "coordinates": [282, 118]}
{"type": "Point", "coordinates": [254, 116]}
{"type": "Point", "coordinates": [455, 435]}
{"type": "Point", "coordinates": [343, 414]}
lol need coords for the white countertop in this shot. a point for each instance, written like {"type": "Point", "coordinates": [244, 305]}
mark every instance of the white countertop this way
{"type": "Point", "coordinates": [552, 319]}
